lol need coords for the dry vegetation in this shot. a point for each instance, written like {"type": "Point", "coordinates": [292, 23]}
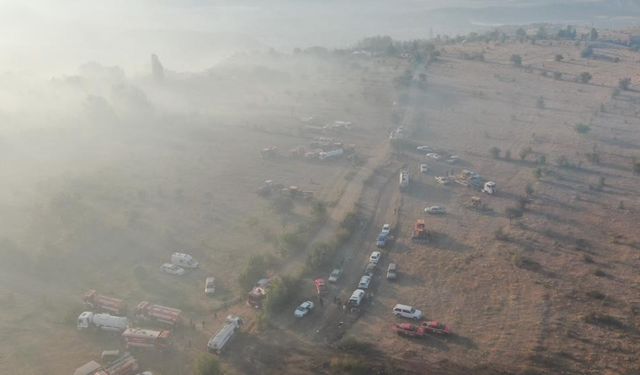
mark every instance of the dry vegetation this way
{"type": "Point", "coordinates": [542, 280]}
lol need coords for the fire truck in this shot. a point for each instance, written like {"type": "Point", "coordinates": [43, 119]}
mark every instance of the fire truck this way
{"type": "Point", "coordinates": [162, 314]}
{"type": "Point", "coordinates": [96, 301]}
{"type": "Point", "coordinates": [146, 339]}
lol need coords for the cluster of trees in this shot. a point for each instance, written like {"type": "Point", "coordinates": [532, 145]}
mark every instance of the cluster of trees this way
{"type": "Point", "coordinates": [324, 253]}
{"type": "Point", "coordinates": [421, 50]}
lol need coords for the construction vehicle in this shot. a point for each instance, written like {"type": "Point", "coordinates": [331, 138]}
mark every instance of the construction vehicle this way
{"type": "Point", "coordinates": [146, 339]}
{"type": "Point", "coordinates": [489, 187]}
{"type": "Point", "coordinates": [321, 287]}
{"type": "Point", "coordinates": [420, 231]}
{"type": "Point", "coordinates": [269, 152]}
{"type": "Point", "coordinates": [102, 322]}
{"type": "Point", "coordinates": [258, 293]}
{"type": "Point", "coordinates": [162, 314]}
{"type": "Point", "coordinates": [404, 179]}
{"type": "Point", "coordinates": [222, 337]}
{"type": "Point", "coordinates": [99, 302]}
{"type": "Point", "coordinates": [123, 365]}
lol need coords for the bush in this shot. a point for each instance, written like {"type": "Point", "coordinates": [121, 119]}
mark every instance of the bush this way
{"type": "Point", "coordinates": [559, 57]}
{"type": "Point", "coordinates": [562, 162]}
{"type": "Point", "coordinates": [350, 365]}
{"type": "Point", "coordinates": [207, 365]}
{"type": "Point", "coordinates": [582, 128]}
{"type": "Point", "coordinates": [495, 152]}
{"type": "Point", "coordinates": [282, 204]}
{"type": "Point", "coordinates": [525, 152]}
{"type": "Point", "coordinates": [292, 242]}
{"type": "Point", "coordinates": [283, 291]}
{"type": "Point", "coordinates": [557, 76]}
{"type": "Point", "coordinates": [321, 256]}
{"type": "Point", "coordinates": [500, 234]}
{"type": "Point", "coordinates": [513, 212]}
{"type": "Point", "coordinates": [636, 167]}
{"type": "Point", "coordinates": [624, 83]}
{"type": "Point", "coordinates": [528, 189]}
{"type": "Point", "coordinates": [584, 77]}
{"type": "Point", "coordinates": [516, 60]}
{"type": "Point", "coordinates": [586, 52]}
{"type": "Point", "coordinates": [255, 269]}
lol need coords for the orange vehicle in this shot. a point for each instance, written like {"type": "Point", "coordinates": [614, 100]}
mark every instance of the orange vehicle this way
{"type": "Point", "coordinates": [420, 231]}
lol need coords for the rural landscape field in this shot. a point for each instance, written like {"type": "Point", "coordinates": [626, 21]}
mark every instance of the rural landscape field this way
{"type": "Point", "coordinates": [495, 172]}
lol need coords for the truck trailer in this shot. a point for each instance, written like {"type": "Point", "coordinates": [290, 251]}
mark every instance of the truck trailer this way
{"type": "Point", "coordinates": [162, 314]}
{"type": "Point", "coordinates": [104, 322]}
{"type": "Point", "coordinates": [146, 339]}
{"type": "Point", "coordinates": [222, 337]}
{"type": "Point", "coordinates": [98, 302]}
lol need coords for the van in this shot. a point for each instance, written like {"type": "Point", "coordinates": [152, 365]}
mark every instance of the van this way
{"type": "Point", "coordinates": [364, 282]}
{"type": "Point", "coordinates": [356, 297]}
{"type": "Point", "coordinates": [210, 286]}
{"type": "Point", "coordinates": [406, 311]}
{"type": "Point", "coordinates": [184, 260]}
{"type": "Point", "coordinates": [391, 272]}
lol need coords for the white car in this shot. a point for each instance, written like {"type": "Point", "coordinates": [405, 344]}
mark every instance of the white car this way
{"type": "Point", "coordinates": [210, 286]}
{"type": "Point", "coordinates": [386, 229]}
{"type": "Point", "coordinates": [364, 282]}
{"type": "Point", "coordinates": [172, 269]}
{"type": "Point", "coordinates": [453, 159]}
{"type": "Point", "coordinates": [375, 257]}
{"type": "Point", "coordinates": [335, 275]}
{"type": "Point", "coordinates": [405, 311]}
{"type": "Point", "coordinates": [435, 210]}
{"type": "Point", "coordinates": [304, 308]}
{"type": "Point", "coordinates": [433, 155]}
{"type": "Point", "coordinates": [442, 180]}
{"type": "Point", "coordinates": [423, 148]}
{"type": "Point", "coordinates": [423, 168]}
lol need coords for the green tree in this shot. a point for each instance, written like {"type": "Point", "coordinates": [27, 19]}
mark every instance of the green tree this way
{"type": "Point", "coordinates": [559, 57]}
{"type": "Point", "coordinates": [528, 189]}
{"type": "Point", "coordinates": [582, 128]}
{"type": "Point", "coordinates": [516, 60]}
{"type": "Point", "coordinates": [593, 35]}
{"type": "Point", "coordinates": [207, 365]}
{"type": "Point", "coordinates": [525, 152]}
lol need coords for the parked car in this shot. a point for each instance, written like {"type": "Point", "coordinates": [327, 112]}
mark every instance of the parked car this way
{"type": "Point", "coordinates": [433, 155]}
{"type": "Point", "coordinates": [172, 269]}
{"type": "Point", "coordinates": [375, 257]}
{"type": "Point", "coordinates": [406, 311]}
{"type": "Point", "coordinates": [391, 271]}
{"type": "Point", "coordinates": [436, 327]}
{"type": "Point", "coordinates": [210, 286]}
{"type": "Point", "coordinates": [364, 282]}
{"type": "Point", "coordinates": [334, 276]}
{"type": "Point", "coordinates": [356, 297]}
{"type": "Point", "coordinates": [453, 159]}
{"type": "Point", "coordinates": [423, 168]}
{"type": "Point", "coordinates": [382, 240]}
{"type": "Point", "coordinates": [423, 148]}
{"type": "Point", "coordinates": [442, 180]}
{"type": "Point", "coordinates": [435, 210]}
{"type": "Point", "coordinates": [386, 229]}
{"type": "Point", "coordinates": [369, 269]}
{"type": "Point", "coordinates": [304, 308]}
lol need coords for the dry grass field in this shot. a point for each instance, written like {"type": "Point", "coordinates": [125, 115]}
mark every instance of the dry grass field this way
{"type": "Point", "coordinates": [101, 204]}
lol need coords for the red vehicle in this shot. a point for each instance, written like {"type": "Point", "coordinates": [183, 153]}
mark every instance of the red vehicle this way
{"type": "Point", "coordinates": [167, 315]}
{"type": "Point", "coordinates": [99, 302]}
{"type": "Point", "coordinates": [125, 365]}
{"type": "Point", "coordinates": [409, 330]}
{"type": "Point", "coordinates": [321, 286]}
{"type": "Point", "coordinates": [436, 327]}
{"type": "Point", "coordinates": [425, 328]}
{"type": "Point", "coordinates": [146, 339]}
{"type": "Point", "coordinates": [258, 293]}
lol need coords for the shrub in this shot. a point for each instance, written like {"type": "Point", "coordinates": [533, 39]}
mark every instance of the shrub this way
{"type": "Point", "coordinates": [586, 52]}
{"type": "Point", "coordinates": [349, 365]}
{"type": "Point", "coordinates": [255, 269]}
{"type": "Point", "coordinates": [283, 291]}
{"type": "Point", "coordinates": [207, 365]}
{"type": "Point", "coordinates": [562, 162]}
{"type": "Point", "coordinates": [528, 189]}
{"type": "Point", "coordinates": [525, 152]}
{"type": "Point", "coordinates": [582, 128]}
{"type": "Point", "coordinates": [500, 234]}
{"type": "Point", "coordinates": [584, 77]}
{"type": "Point", "coordinates": [321, 256]}
{"type": "Point", "coordinates": [557, 76]}
{"type": "Point", "coordinates": [516, 60]}
{"type": "Point", "coordinates": [513, 212]}
{"type": "Point", "coordinates": [559, 57]}
{"type": "Point", "coordinates": [495, 152]}
{"type": "Point", "coordinates": [624, 83]}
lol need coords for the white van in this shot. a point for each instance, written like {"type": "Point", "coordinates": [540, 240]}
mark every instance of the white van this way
{"type": "Point", "coordinates": [356, 297]}
{"type": "Point", "coordinates": [184, 260]}
{"type": "Point", "coordinates": [406, 311]}
{"type": "Point", "coordinates": [210, 286]}
{"type": "Point", "coordinates": [364, 282]}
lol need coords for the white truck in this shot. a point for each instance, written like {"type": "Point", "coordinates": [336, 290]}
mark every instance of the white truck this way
{"type": "Point", "coordinates": [184, 260]}
{"type": "Point", "coordinates": [104, 322]}
{"type": "Point", "coordinates": [404, 179]}
{"type": "Point", "coordinates": [489, 187]}
{"type": "Point", "coordinates": [220, 339]}
{"type": "Point", "coordinates": [330, 154]}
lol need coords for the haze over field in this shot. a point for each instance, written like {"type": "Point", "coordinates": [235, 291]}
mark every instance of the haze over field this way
{"type": "Point", "coordinates": [45, 37]}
